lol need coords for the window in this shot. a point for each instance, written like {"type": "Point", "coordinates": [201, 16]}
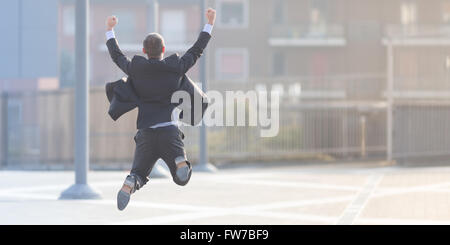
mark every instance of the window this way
{"type": "Point", "coordinates": [126, 31]}
{"type": "Point", "coordinates": [318, 17]}
{"type": "Point", "coordinates": [408, 13]}
{"type": "Point", "coordinates": [319, 67]}
{"type": "Point", "coordinates": [446, 12]}
{"type": "Point", "coordinates": [15, 123]}
{"type": "Point", "coordinates": [232, 13]}
{"type": "Point", "coordinates": [279, 64]}
{"type": "Point", "coordinates": [406, 70]}
{"type": "Point", "coordinates": [408, 18]}
{"type": "Point", "coordinates": [173, 28]}
{"type": "Point", "coordinates": [68, 15]}
{"type": "Point", "coordinates": [14, 112]}
{"type": "Point", "coordinates": [319, 11]}
{"type": "Point", "coordinates": [232, 64]}
{"type": "Point", "coordinates": [279, 12]}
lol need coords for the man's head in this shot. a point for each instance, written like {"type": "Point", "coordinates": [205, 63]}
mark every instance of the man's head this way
{"type": "Point", "coordinates": [154, 46]}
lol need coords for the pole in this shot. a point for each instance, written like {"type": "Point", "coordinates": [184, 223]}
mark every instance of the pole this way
{"type": "Point", "coordinates": [160, 169]}
{"type": "Point", "coordinates": [81, 189]}
{"type": "Point", "coordinates": [81, 94]}
{"type": "Point", "coordinates": [363, 122]}
{"type": "Point", "coordinates": [390, 101]}
{"type": "Point", "coordinates": [203, 165]}
{"type": "Point", "coordinates": [153, 15]}
{"type": "Point", "coordinates": [5, 131]}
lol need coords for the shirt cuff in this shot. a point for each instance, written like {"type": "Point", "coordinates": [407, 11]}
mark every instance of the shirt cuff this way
{"type": "Point", "coordinates": [208, 28]}
{"type": "Point", "coordinates": [110, 35]}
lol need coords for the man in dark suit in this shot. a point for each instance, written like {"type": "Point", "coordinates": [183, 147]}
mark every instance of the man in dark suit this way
{"type": "Point", "coordinates": [154, 79]}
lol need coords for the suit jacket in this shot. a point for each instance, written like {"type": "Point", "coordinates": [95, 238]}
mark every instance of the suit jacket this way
{"type": "Point", "coordinates": [154, 81]}
{"type": "Point", "coordinates": [123, 98]}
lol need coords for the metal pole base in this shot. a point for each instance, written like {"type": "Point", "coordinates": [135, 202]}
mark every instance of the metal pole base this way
{"type": "Point", "coordinates": [160, 170]}
{"type": "Point", "coordinates": [205, 168]}
{"type": "Point", "coordinates": [80, 192]}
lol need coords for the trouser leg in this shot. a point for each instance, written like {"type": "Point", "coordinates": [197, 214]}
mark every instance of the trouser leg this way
{"type": "Point", "coordinates": [171, 148]}
{"type": "Point", "coordinates": [145, 156]}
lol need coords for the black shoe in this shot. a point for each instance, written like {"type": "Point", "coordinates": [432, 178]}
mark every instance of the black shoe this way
{"type": "Point", "coordinates": [128, 188]}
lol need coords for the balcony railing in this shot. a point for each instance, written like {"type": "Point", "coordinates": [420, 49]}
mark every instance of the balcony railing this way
{"type": "Point", "coordinates": [417, 31]}
{"type": "Point", "coordinates": [308, 35]}
{"type": "Point", "coordinates": [312, 32]}
{"type": "Point", "coordinates": [335, 87]}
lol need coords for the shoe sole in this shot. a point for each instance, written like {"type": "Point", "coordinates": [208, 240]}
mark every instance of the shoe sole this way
{"type": "Point", "coordinates": [123, 198]}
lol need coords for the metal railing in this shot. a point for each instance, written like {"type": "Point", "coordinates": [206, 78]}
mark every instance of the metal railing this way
{"type": "Point", "coordinates": [305, 31]}
{"type": "Point", "coordinates": [37, 128]}
{"type": "Point", "coordinates": [416, 30]}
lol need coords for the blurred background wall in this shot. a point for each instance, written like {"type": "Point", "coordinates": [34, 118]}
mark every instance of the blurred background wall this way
{"type": "Point", "coordinates": [359, 79]}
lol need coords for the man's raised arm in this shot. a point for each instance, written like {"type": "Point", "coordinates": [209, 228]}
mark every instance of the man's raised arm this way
{"type": "Point", "coordinates": [113, 46]}
{"type": "Point", "coordinates": [193, 54]}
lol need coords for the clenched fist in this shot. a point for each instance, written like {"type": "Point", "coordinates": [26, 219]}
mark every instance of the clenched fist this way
{"type": "Point", "coordinates": [211, 16]}
{"type": "Point", "coordinates": [111, 22]}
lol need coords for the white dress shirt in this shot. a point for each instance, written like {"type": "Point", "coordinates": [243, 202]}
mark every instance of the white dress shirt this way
{"type": "Point", "coordinates": [176, 112]}
{"type": "Point", "coordinates": [208, 28]}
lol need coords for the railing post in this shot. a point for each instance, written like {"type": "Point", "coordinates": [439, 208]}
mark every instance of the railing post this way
{"type": "Point", "coordinates": [390, 100]}
{"type": "Point", "coordinates": [4, 131]}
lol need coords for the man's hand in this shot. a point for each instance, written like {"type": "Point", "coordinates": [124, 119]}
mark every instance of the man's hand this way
{"type": "Point", "coordinates": [111, 22]}
{"type": "Point", "coordinates": [211, 16]}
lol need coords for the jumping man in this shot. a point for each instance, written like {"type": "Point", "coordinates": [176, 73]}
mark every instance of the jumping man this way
{"type": "Point", "coordinates": [155, 79]}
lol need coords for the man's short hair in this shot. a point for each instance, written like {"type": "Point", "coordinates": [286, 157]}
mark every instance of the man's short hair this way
{"type": "Point", "coordinates": [154, 44]}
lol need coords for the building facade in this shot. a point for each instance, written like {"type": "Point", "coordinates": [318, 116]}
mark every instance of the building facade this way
{"type": "Point", "coordinates": [345, 69]}
{"type": "Point", "coordinates": [29, 45]}
{"type": "Point", "coordinates": [316, 41]}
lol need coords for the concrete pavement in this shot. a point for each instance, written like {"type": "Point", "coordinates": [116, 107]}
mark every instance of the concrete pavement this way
{"type": "Point", "coordinates": [314, 194]}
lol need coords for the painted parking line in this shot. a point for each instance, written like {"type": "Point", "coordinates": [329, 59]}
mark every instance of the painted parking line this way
{"type": "Point", "coordinates": [32, 196]}
{"type": "Point", "coordinates": [155, 205]}
{"type": "Point", "coordinates": [251, 210]}
{"type": "Point", "coordinates": [356, 196]}
{"type": "Point", "coordinates": [383, 192]}
{"type": "Point", "coordinates": [295, 184]}
{"type": "Point", "coordinates": [406, 221]}
{"type": "Point", "coordinates": [176, 218]}
{"type": "Point", "coordinates": [353, 210]}
{"type": "Point", "coordinates": [301, 203]}
{"type": "Point", "coordinates": [294, 217]}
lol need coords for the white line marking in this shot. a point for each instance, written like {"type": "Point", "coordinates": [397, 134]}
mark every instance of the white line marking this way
{"type": "Point", "coordinates": [294, 184]}
{"type": "Point", "coordinates": [302, 203]}
{"type": "Point", "coordinates": [350, 215]}
{"type": "Point", "coordinates": [166, 219]}
{"type": "Point", "coordinates": [291, 216]}
{"type": "Point", "coordinates": [30, 196]}
{"type": "Point", "coordinates": [388, 221]}
{"type": "Point", "coordinates": [395, 191]}
{"type": "Point", "coordinates": [55, 187]}
{"type": "Point", "coordinates": [197, 208]}
{"type": "Point", "coordinates": [253, 210]}
{"type": "Point", "coordinates": [163, 206]}
{"type": "Point", "coordinates": [352, 211]}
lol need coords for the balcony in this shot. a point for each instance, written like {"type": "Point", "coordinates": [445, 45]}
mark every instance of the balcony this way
{"type": "Point", "coordinates": [332, 35]}
{"type": "Point", "coordinates": [417, 35]}
{"type": "Point", "coordinates": [361, 87]}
